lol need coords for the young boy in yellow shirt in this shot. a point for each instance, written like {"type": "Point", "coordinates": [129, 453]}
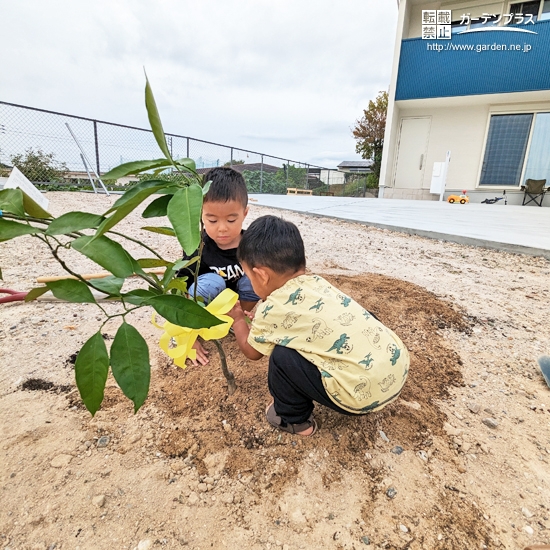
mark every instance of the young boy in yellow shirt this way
{"type": "Point", "coordinates": [322, 345]}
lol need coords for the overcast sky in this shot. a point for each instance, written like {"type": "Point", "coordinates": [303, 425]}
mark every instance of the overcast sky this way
{"type": "Point", "coordinates": [285, 77]}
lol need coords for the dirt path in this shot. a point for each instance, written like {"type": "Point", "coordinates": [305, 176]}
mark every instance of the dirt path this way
{"type": "Point", "coordinates": [460, 461]}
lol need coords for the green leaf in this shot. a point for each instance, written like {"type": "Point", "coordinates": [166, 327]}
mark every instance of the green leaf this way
{"type": "Point", "coordinates": [130, 364]}
{"type": "Point", "coordinates": [179, 283]}
{"type": "Point", "coordinates": [184, 213]}
{"type": "Point", "coordinates": [109, 285]}
{"type": "Point", "coordinates": [73, 221]}
{"type": "Point", "coordinates": [34, 293]}
{"type": "Point", "coordinates": [206, 187]}
{"type": "Point", "coordinates": [11, 200]}
{"type": "Point", "coordinates": [135, 167]}
{"type": "Point", "coordinates": [34, 209]}
{"type": "Point", "coordinates": [91, 369]}
{"type": "Point", "coordinates": [180, 264]}
{"type": "Point", "coordinates": [154, 120]}
{"type": "Point", "coordinates": [10, 230]}
{"type": "Point", "coordinates": [186, 164]}
{"type": "Point", "coordinates": [137, 189]}
{"type": "Point", "coordinates": [153, 262]}
{"type": "Point", "coordinates": [183, 312]}
{"type": "Point", "coordinates": [138, 296]}
{"type": "Point", "coordinates": [131, 201]}
{"type": "Point", "coordinates": [109, 254]}
{"type": "Point", "coordinates": [71, 290]}
{"type": "Point", "coordinates": [161, 230]}
{"type": "Point", "coordinates": [157, 208]}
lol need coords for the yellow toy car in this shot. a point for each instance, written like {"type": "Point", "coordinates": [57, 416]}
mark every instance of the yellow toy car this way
{"type": "Point", "coordinates": [462, 199]}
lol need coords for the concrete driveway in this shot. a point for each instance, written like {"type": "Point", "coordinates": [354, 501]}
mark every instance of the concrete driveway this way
{"type": "Point", "coordinates": [519, 229]}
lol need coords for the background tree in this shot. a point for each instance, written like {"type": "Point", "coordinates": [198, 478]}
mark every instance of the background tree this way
{"type": "Point", "coordinates": [39, 166]}
{"type": "Point", "coordinates": [369, 132]}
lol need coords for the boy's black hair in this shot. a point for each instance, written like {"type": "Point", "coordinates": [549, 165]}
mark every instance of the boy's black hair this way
{"type": "Point", "coordinates": [227, 185]}
{"type": "Point", "coordinates": [272, 242]}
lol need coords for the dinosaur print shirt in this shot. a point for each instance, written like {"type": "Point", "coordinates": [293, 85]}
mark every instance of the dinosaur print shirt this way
{"type": "Point", "coordinates": [363, 364]}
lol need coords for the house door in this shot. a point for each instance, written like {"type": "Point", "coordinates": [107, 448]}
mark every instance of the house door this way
{"type": "Point", "coordinates": [411, 152]}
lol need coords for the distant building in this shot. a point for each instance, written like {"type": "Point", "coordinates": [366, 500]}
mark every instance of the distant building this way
{"type": "Point", "coordinates": [483, 96]}
{"type": "Point", "coordinates": [356, 166]}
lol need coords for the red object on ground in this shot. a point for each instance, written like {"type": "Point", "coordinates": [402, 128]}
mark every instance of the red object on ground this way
{"type": "Point", "coordinates": [12, 295]}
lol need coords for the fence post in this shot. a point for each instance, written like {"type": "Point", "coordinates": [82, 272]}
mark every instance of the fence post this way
{"type": "Point", "coordinates": [231, 157]}
{"type": "Point", "coordinates": [187, 147]}
{"type": "Point", "coordinates": [262, 174]}
{"type": "Point", "coordinates": [287, 171]}
{"type": "Point", "coordinates": [307, 177]}
{"type": "Point", "coordinates": [96, 149]}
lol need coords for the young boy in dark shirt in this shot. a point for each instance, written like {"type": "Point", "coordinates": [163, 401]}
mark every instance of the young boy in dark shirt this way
{"type": "Point", "coordinates": [225, 207]}
{"type": "Point", "coordinates": [322, 345]}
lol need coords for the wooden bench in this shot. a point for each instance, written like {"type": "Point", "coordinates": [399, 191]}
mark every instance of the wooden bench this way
{"type": "Point", "coordinates": [297, 191]}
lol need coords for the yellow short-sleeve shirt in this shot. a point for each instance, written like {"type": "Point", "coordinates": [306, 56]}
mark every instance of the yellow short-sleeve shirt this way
{"type": "Point", "coordinates": [363, 364]}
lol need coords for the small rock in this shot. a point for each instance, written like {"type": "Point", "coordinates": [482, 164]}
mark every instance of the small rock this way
{"type": "Point", "coordinates": [365, 540]}
{"type": "Point", "coordinates": [527, 513]}
{"type": "Point", "coordinates": [490, 423]}
{"type": "Point", "coordinates": [391, 492]}
{"type": "Point", "coordinates": [461, 469]}
{"type": "Point", "coordinates": [99, 501]}
{"type": "Point", "coordinates": [177, 465]}
{"type": "Point", "coordinates": [397, 450]}
{"type": "Point", "coordinates": [422, 455]}
{"type": "Point", "coordinates": [145, 544]}
{"type": "Point", "coordinates": [135, 438]}
{"type": "Point", "coordinates": [384, 436]}
{"type": "Point", "coordinates": [411, 404]}
{"type": "Point", "coordinates": [227, 427]}
{"type": "Point", "coordinates": [202, 487]}
{"type": "Point", "coordinates": [466, 446]}
{"type": "Point", "coordinates": [103, 441]}
{"type": "Point", "coordinates": [451, 430]}
{"type": "Point", "coordinates": [193, 498]}
{"type": "Point", "coordinates": [60, 461]}
{"type": "Point", "coordinates": [227, 498]}
{"type": "Point", "coordinates": [490, 411]}
{"type": "Point", "coordinates": [529, 530]}
{"type": "Point", "coordinates": [403, 528]}
{"type": "Point", "coordinates": [474, 407]}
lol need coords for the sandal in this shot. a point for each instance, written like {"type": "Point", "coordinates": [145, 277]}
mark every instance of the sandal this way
{"type": "Point", "coordinates": [277, 422]}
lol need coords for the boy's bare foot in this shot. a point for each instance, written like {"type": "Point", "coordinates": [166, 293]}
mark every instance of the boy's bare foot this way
{"type": "Point", "coordinates": [306, 429]}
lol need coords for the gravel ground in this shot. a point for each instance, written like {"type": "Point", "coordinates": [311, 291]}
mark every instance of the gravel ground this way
{"type": "Point", "coordinates": [196, 469]}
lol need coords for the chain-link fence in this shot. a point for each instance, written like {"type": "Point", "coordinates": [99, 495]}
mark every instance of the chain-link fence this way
{"type": "Point", "coordinates": [63, 151]}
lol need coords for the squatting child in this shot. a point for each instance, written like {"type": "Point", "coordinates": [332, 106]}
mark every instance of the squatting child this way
{"type": "Point", "coordinates": [322, 345]}
{"type": "Point", "coordinates": [225, 207]}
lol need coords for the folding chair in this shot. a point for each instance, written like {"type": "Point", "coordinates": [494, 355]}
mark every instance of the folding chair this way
{"type": "Point", "coordinates": [535, 190]}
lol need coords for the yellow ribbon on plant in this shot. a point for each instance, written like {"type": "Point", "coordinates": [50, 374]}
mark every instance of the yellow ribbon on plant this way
{"type": "Point", "coordinates": [184, 337]}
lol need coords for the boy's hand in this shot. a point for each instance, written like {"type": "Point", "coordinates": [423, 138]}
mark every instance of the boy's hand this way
{"type": "Point", "coordinates": [249, 314]}
{"type": "Point", "coordinates": [237, 313]}
{"type": "Point", "coordinates": [202, 355]}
